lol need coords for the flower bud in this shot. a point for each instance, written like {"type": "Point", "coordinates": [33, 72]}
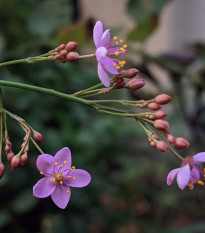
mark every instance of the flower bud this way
{"type": "Point", "coordinates": [2, 169]}
{"type": "Point", "coordinates": [161, 124]}
{"type": "Point", "coordinates": [38, 137]}
{"type": "Point", "coordinates": [24, 159]}
{"type": "Point", "coordinates": [152, 144]}
{"type": "Point", "coordinates": [162, 146]}
{"type": "Point", "coordinates": [62, 46]}
{"type": "Point", "coordinates": [135, 84]}
{"type": "Point", "coordinates": [15, 162]}
{"type": "Point", "coordinates": [119, 85]}
{"type": "Point", "coordinates": [71, 45]}
{"type": "Point", "coordinates": [9, 156]}
{"type": "Point", "coordinates": [160, 114]}
{"type": "Point", "coordinates": [72, 56]}
{"type": "Point", "coordinates": [63, 53]}
{"type": "Point", "coordinates": [170, 138]}
{"type": "Point", "coordinates": [152, 117]}
{"type": "Point", "coordinates": [154, 106]}
{"type": "Point", "coordinates": [7, 149]}
{"type": "Point", "coordinates": [181, 143]}
{"type": "Point", "coordinates": [163, 99]}
{"type": "Point", "coordinates": [131, 73]}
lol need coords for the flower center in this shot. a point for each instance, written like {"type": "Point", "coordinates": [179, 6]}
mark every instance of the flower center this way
{"type": "Point", "coordinates": [59, 177]}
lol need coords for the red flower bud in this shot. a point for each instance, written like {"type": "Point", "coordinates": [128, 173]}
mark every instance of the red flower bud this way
{"type": "Point", "coordinates": [71, 45]}
{"type": "Point", "coordinates": [163, 99]}
{"type": "Point", "coordinates": [7, 148]}
{"type": "Point", "coordinates": [181, 143]}
{"type": "Point", "coordinates": [161, 124]}
{"type": "Point", "coordinates": [160, 114]}
{"type": "Point", "coordinates": [162, 146]}
{"type": "Point", "coordinates": [9, 156]}
{"type": "Point", "coordinates": [72, 56]}
{"type": "Point", "coordinates": [170, 138]}
{"type": "Point", "coordinates": [15, 162]}
{"type": "Point", "coordinates": [62, 46]}
{"type": "Point", "coordinates": [119, 85]}
{"type": "Point", "coordinates": [152, 117]}
{"type": "Point", "coordinates": [38, 137]}
{"type": "Point", "coordinates": [24, 159]}
{"type": "Point", "coordinates": [154, 106]}
{"type": "Point", "coordinates": [131, 73]}
{"type": "Point", "coordinates": [135, 84]}
{"type": "Point", "coordinates": [63, 53]}
{"type": "Point", "coordinates": [2, 169]}
{"type": "Point", "coordinates": [152, 144]}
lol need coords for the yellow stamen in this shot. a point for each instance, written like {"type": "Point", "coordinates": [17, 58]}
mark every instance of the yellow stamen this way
{"type": "Point", "coordinates": [122, 49]}
{"type": "Point", "coordinates": [191, 187]}
{"type": "Point", "coordinates": [117, 53]}
{"type": "Point", "coordinates": [200, 182]}
{"type": "Point", "coordinates": [204, 170]}
{"type": "Point", "coordinates": [68, 191]}
{"type": "Point", "coordinates": [124, 62]}
{"type": "Point", "coordinates": [124, 46]}
{"type": "Point", "coordinates": [56, 163]}
{"type": "Point", "coordinates": [61, 165]}
{"type": "Point", "coordinates": [121, 41]}
{"type": "Point", "coordinates": [118, 67]}
{"type": "Point", "coordinates": [69, 177]}
{"type": "Point", "coordinates": [194, 181]}
{"type": "Point", "coordinates": [74, 178]}
{"type": "Point", "coordinates": [114, 64]}
{"type": "Point", "coordinates": [41, 173]}
{"type": "Point", "coordinates": [59, 177]}
{"type": "Point", "coordinates": [65, 162]}
{"type": "Point", "coordinates": [61, 182]}
{"type": "Point", "coordinates": [115, 38]}
{"type": "Point", "coordinates": [73, 167]}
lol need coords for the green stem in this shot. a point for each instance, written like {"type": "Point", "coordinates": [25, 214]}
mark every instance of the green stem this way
{"type": "Point", "coordinates": [86, 56]}
{"type": "Point", "coordinates": [1, 135]}
{"type": "Point", "coordinates": [79, 93]}
{"type": "Point", "coordinates": [1, 102]}
{"type": "Point", "coordinates": [45, 91]}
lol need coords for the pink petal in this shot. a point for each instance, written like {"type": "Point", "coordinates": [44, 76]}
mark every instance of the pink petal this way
{"type": "Point", "coordinates": [43, 188]}
{"type": "Point", "coordinates": [199, 158]}
{"type": "Point", "coordinates": [100, 53]}
{"type": "Point", "coordinates": [108, 65]}
{"type": "Point", "coordinates": [104, 78]}
{"type": "Point", "coordinates": [97, 33]}
{"type": "Point", "coordinates": [60, 196]}
{"type": "Point", "coordinates": [195, 174]}
{"type": "Point", "coordinates": [61, 156]}
{"type": "Point", "coordinates": [105, 38]}
{"type": "Point", "coordinates": [45, 163]}
{"type": "Point", "coordinates": [172, 175]}
{"type": "Point", "coordinates": [83, 178]}
{"type": "Point", "coordinates": [183, 176]}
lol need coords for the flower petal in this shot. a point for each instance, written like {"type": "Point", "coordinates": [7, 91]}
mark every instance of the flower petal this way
{"type": "Point", "coordinates": [195, 173]}
{"type": "Point", "coordinates": [100, 53]}
{"type": "Point", "coordinates": [97, 33]}
{"type": "Point", "coordinates": [105, 38]}
{"type": "Point", "coordinates": [61, 156]}
{"type": "Point", "coordinates": [199, 158]}
{"type": "Point", "coordinates": [60, 196]}
{"type": "Point", "coordinates": [172, 175]}
{"type": "Point", "coordinates": [45, 163]}
{"type": "Point", "coordinates": [108, 65]}
{"type": "Point", "coordinates": [183, 176]}
{"type": "Point", "coordinates": [104, 78]}
{"type": "Point", "coordinates": [44, 188]}
{"type": "Point", "coordinates": [82, 178]}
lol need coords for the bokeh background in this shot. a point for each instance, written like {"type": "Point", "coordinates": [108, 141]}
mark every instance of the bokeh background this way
{"type": "Point", "coordinates": [128, 192]}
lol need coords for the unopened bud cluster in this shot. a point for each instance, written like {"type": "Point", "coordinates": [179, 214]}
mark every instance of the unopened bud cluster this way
{"type": "Point", "coordinates": [65, 52]}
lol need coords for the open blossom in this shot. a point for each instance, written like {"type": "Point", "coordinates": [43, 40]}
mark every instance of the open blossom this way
{"type": "Point", "coordinates": [105, 48]}
{"type": "Point", "coordinates": [189, 172]}
{"type": "Point", "coordinates": [59, 175]}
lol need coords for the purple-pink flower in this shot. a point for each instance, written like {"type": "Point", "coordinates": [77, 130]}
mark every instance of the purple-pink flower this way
{"type": "Point", "coordinates": [105, 48]}
{"type": "Point", "coordinates": [189, 172]}
{"type": "Point", "coordinates": [59, 175]}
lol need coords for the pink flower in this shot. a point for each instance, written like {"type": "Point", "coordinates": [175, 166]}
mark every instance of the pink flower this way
{"type": "Point", "coordinates": [105, 48]}
{"type": "Point", "coordinates": [189, 172]}
{"type": "Point", "coordinates": [59, 175]}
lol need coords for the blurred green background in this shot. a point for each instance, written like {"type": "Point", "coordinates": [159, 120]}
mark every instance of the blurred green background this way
{"type": "Point", "coordinates": [128, 191]}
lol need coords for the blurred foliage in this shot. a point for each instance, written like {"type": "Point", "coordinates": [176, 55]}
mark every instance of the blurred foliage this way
{"type": "Point", "coordinates": [128, 192]}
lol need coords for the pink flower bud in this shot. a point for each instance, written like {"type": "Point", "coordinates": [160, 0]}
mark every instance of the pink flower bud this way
{"type": "Point", "coordinates": [163, 99]}
{"type": "Point", "coordinates": [62, 46]}
{"type": "Point", "coordinates": [152, 144]}
{"type": "Point", "coordinates": [24, 159]}
{"type": "Point", "coordinates": [119, 85]}
{"type": "Point", "coordinates": [38, 137]}
{"type": "Point", "coordinates": [170, 138]}
{"type": "Point", "coordinates": [15, 162]}
{"type": "Point", "coordinates": [162, 146]}
{"type": "Point", "coordinates": [2, 169]}
{"type": "Point", "coordinates": [7, 149]}
{"type": "Point", "coordinates": [160, 114]}
{"type": "Point", "coordinates": [131, 73]}
{"type": "Point", "coordinates": [72, 56]}
{"type": "Point", "coordinates": [71, 45]}
{"type": "Point", "coordinates": [161, 124]}
{"type": "Point", "coordinates": [144, 105]}
{"type": "Point", "coordinates": [63, 60]}
{"type": "Point", "coordinates": [9, 156]}
{"type": "Point", "coordinates": [181, 143]}
{"type": "Point", "coordinates": [63, 53]}
{"type": "Point", "coordinates": [152, 117]}
{"type": "Point", "coordinates": [135, 84]}
{"type": "Point", "coordinates": [107, 90]}
{"type": "Point", "coordinates": [154, 106]}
